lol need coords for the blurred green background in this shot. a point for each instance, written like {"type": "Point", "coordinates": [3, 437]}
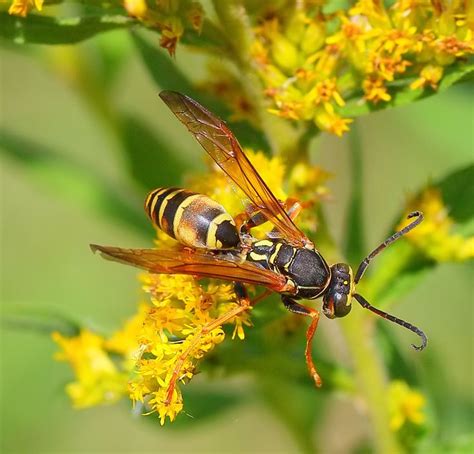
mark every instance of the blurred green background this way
{"type": "Point", "coordinates": [47, 265]}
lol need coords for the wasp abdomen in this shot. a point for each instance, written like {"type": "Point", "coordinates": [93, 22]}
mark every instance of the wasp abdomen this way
{"type": "Point", "coordinates": [193, 219]}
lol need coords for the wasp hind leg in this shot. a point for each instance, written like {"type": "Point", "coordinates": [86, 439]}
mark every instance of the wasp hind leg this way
{"type": "Point", "coordinates": [244, 305]}
{"type": "Point", "coordinates": [299, 309]}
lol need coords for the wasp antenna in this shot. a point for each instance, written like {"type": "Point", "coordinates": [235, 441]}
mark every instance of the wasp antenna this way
{"type": "Point", "coordinates": [365, 263]}
{"type": "Point", "coordinates": [365, 304]}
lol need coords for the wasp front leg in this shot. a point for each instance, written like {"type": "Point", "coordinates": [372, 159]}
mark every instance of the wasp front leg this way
{"type": "Point", "coordinates": [244, 305]}
{"type": "Point", "coordinates": [299, 309]}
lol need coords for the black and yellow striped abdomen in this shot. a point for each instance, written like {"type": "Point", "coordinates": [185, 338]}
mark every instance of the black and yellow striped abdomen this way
{"type": "Point", "coordinates": [193, 219]}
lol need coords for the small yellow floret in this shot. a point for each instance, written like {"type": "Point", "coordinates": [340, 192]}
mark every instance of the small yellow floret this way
{"type": "Point", "coordinates": [136, 8]}
{"type": "Point", "coordinates": [98, 380]}
{"type": "Point", "coordinates": [22, 7]}
{"type": "Point", "coordinates": [405, 405]}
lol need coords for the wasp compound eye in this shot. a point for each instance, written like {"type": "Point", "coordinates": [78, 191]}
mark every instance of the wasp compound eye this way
{"type": "Point", "coordinates": [336, 304]}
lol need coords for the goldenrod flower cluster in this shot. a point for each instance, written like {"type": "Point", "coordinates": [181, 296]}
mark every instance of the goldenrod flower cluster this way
{"type": "Point", "coordinates": [181, 307]}
{"type": "Point", "coordinates": [141, 358]}
{"type": "Point", "coordinates": [311, 63]}
{"type": "Point", "coordinates": [101, 365]}
{"type": "Point", "coordinates": [405, 405]}
{"type": "Point", "coordinates": [435, 236]}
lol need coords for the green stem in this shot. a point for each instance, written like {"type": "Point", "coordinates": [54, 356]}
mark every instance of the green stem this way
{"type": "Point", "coordinates": [371, 377]}
{"type": "Point", "coordinates": [283, 138]}
{"type": "Point", "coordinates": [354, 247]}
{"type": "Point", "coordinates": [359, 328]}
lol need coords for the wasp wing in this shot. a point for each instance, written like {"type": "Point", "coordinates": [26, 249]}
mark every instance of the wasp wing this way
{"type": "Point", "coordinates": [194, 263]}
{"type": "Point", "coordinates": [217, 139]}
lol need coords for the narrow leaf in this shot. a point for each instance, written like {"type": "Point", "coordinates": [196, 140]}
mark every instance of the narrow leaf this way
{"type": "Point", "coordinates": [151, 161]}
{"type": "Point", "coordinates": [459, 73]}
{"type": "Point", "coordinates": [50, 30]}
{"type": "Point", "coordinates": [458, 193]}
{"type": "Point", "coordinates": [71, 180]}
{"type": "Point", "coordinates": [39, 320]}
{"type": "Point", "coordinates": [166, 75]}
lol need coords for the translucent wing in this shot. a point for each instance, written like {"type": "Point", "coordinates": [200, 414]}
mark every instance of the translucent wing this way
{"type": "Point", "coordinates": [194, 263]}
{"type": "Point", "coordinates": [217, 139]}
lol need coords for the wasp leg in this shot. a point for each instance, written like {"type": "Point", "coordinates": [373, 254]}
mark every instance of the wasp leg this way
{"type": "Point", "coordinates": [247, 221]}
{"type": "Point", "coordinates": [299, 309]}
{"type": "Point", "coordinates": [244, 305]}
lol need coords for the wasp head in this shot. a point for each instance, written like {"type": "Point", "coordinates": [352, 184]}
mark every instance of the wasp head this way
{"type": "Point", "coordinates": [337, 300]}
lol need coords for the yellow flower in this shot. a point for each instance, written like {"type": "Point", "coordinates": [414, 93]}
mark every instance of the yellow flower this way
{"type": "Point", "coordinates": [405, 405]}
{"type": "Point", "coordinates": [170, 409]}
{"type": "Point", "coordinates": [136, 8]}
{"type": "Point", "coordinates": [327, 120]}
{"type": "Point", "coordinates": [171, 32]}
{"type": "Point", "coordinates": [22, 7]}
{"type": "Point", "coordinates": [98, 380]}
{"type": "Point", "coordinates": [429, 75]}
{"type": "Point", "coordinates": [435, 236]}
{"type": "Point", "coordinates": [375, 90]}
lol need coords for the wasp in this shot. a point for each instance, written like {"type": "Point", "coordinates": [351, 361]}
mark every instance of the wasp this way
{"type": "Point", "coordinates": [216, 245]}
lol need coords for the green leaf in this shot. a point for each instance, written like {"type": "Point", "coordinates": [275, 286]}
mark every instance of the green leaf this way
{"type": "Point", "coordinates": [162, 69]}
{"type": "Point", "coordinates": [110, 53]}
{"type": "Point", "coordinates": [395, 358]}
{"type": "Point", "coordinates": [40, 320]}
{"type": "Point", "coordinates": [402, 266]}
{"type": "Point", "coordinates": [151, 161]}
{"type": "Point", "coordinates": [71, 180]}
{"type": "Point", "coordinates": [457, 190]}
{"type": "Point", "coordinates": [355, 244]}
{"type": "Point", "coordinates": [35, 29]}
{"type": "Point", "coordinates": [457, 73]}
{"type": "Point", "coordinates": [166, 75]}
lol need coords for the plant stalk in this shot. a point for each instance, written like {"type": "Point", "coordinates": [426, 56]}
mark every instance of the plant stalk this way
{"type": "Point", "coordinates": [371, 377]}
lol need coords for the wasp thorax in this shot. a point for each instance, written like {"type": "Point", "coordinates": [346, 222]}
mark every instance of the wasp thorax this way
{"type": "Point", "coordinates": [337, 299]}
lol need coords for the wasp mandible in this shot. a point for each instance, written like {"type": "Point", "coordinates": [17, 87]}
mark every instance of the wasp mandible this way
{"type": "Point", "coordinates": [216, 245]}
